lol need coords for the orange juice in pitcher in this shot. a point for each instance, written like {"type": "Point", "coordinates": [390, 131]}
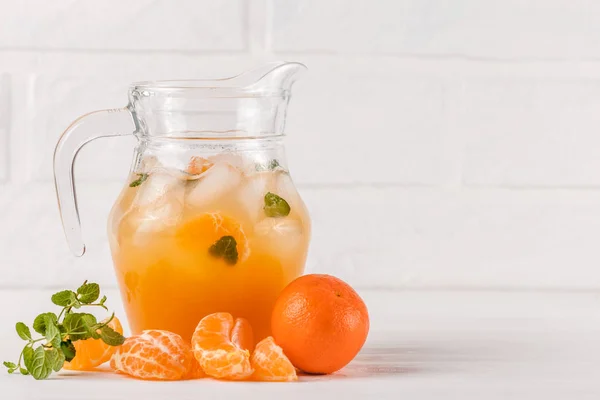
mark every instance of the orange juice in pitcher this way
{"type": "Point", "coordinates": [209, 219]}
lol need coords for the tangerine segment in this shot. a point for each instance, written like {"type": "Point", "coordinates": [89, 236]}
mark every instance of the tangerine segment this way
{"type": "Point", "coordinates": [198, 165]}
{"type": "Point", "coordinates": [214, 349]}
{"type": "Point", "coordinates": [195, 371]}
{"type": "Point", "coordinates": [201, 233]}
{"type": "Point", "coordinates": [153, 355]}
{"type": "Point", "coordinates": [91, 353]}
{"type": "Point", "coordinates": [242, 335]}
{"type": "Point", "coordinates": [270, 364]}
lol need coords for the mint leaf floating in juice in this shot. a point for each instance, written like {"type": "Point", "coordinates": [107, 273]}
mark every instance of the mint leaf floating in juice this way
{"type": "Point", "coordinates": [225, 248]}
{"type": "Point", "coordinates": [276, 206]}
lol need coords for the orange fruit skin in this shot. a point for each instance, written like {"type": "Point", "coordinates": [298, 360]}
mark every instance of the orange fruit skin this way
{"type": "Point", "coordinates": [92, 353]}
{"type": "Point", "coordinates": [155, 355]}
{"type": "Point", "coordinates": [270, 364]}
{"type": "Point", "coordinates": [320, 322]}
{"type": "Point", "coordinates": [217, 353]}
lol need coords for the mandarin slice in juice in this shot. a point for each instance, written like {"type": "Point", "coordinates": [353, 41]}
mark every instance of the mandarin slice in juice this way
{"type": "Point", "coordinates": [154, 355]}
{"type": "Point", "coordinates": [270, 364]}
{"type": "Point", "coordinates": [218, 355]}
{"type": "Point", "coordinates": [198, 165]}
{"type": "Point", "coordinates": [201, 233]}
{"type": "Point", "coordinates": [92, 353]}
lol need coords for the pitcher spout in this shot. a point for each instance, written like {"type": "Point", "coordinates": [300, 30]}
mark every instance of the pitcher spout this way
{"type": "Point", "coordinates": [274, 77]}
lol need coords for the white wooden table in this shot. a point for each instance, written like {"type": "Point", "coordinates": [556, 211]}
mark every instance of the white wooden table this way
{"type": "Point", "coordinates": [422, 345]}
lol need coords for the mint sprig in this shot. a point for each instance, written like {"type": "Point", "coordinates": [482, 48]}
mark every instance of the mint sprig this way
{"type": "Point", "coordinates": [41, 356]}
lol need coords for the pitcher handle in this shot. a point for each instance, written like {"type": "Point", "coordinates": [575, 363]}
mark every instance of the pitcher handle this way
{"type": "Point", "coordinates": [114, 122]}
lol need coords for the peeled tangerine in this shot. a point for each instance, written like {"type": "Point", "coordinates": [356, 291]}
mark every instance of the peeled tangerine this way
{"type": "Point", "coordinates": [217, 353]}
{"type": "Point", "coordinates": [92, 353]}
{"type": "Point", "coordinates": [270, 364]}
{"type": "Point", "coordinates": [222, 348]}
{"type": "Point", "coordinates": [156, 355]}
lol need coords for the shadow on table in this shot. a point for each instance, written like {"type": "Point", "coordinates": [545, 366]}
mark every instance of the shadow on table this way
{"type": "Point", "coordinates": [373, 362]}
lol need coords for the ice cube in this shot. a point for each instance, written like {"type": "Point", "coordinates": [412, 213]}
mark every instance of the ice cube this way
{"type": "Point", "coordinates": [252, 193]}
{"type": "Point", "coordinates": [283, 185]}
{"type": "Point", "coordinates": [197, 166]}
{"type": "Point", "coordinates": [284, 235]}
{"type": "Point", "coordinates": [158, 205]}
{"type": "Point", "coordinates": [165, 214]}
{"type": "Point", "coordinates": [158, 184]}
{"type": "Point", "coordinates": [149, 164]}
{"type": "Point", "coordinates": [213, 184]}
{"type": "Point", "coordinates": [285, 188]}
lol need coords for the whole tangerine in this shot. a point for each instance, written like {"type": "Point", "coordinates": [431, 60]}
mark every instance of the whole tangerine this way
{"type": "Point", "coordinates": [320, 322]}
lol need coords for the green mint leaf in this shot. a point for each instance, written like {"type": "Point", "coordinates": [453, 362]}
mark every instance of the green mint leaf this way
{"type": "Point", "coordinates": [9, 365]}
{"type": "Point", "coordinates": [273, 164]}
{"type": "Point", "coordinates": [59, 336]}
{"type": "Point", "coordinates": [89, 320]}
{"type": "Point", "coordinates": [92, 325]}
{"type": "Point", "coordinates": [63, 298]}
{"type": "Point", "coordinates": [76, 326]}
{"type": "Point", "coordinates": [68, 350]}
{"type": "Point", "coordinates": [275, 206]}
{"type": "Point", "coordinates": [88, 293]}
{"type": "Point", "coordinates": [52, 333]}
{"type": "Point", "coordinates": [39, 324]}
{"type": "Point", "coordinates": [269, 166]}
{"type": "Point", "coordinates": [23, 331]}
{"type": "Point", "coordinates": [111, 337]}
{"type": "Point", "coordinates": [141, 178]}
{"type": "Point", "coordinates": [27, 356]}
{"type": "Point", "coordinates": [39, 364]}
{"type": "Point", "coordinates": [225, 248]}
{"type": "Point", "coordinates": [56, 359]}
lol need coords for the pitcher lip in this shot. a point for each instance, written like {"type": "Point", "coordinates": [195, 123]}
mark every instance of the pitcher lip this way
{"type": "Point", "coordinates": [183, 84]}
{"type": "Point", "coordinates": [200, 87]}
{"type": "Point", "coordinates": [229, 86]}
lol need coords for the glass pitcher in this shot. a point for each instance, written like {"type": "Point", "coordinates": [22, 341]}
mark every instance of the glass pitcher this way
{"type": "Point", "coordinates": [209, 219]}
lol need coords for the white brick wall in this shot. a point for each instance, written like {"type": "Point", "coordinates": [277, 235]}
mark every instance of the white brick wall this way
{"type": "Point", "coordinates": [509, 29]}
{"type": "Point", "coordinates": [5, 103]}
{"type": "Point", "coordinates": [437, 143]}
{"type": "Point", "coordinates": [124, 25]}
{"type": "Point", "coordinates": [532, 132]}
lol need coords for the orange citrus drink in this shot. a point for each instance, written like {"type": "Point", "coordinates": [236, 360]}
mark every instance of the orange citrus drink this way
{"type": "Point", "coordinates": [221, 234]}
